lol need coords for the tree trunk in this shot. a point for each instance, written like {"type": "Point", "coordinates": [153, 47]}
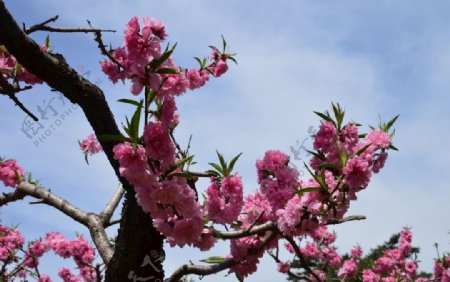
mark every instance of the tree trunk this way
{"type": "Point", "coordinates": [139, 247]}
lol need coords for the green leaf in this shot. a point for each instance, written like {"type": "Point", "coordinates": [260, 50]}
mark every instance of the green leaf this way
{"type": "Point", "coordinates": [217, 167]}
{"type": "Point", "coordinates": [213, 260]}
{"type": "Point", "coordinates": [323, 116]}
{"type": "Point", "coordinates": [134, 125]}
{"type": "Point", "coordinates": [129, 101]}
{"type": "Point", "coordinates": [86, 157]}
{"type": "Point", "coordinates": [156, 63]}
{"type": "Point", "coordinates": [112, 137]}
{"type": "Point", "coordinates": [199, 61]}
{"type": "Point", "coordinates": [392, 147]}
{"type": "Point", "coordinates": [182, 162]}
{"type": "Point", "coordinates": [239, 278]}
{"type": "Point", "coordinates": [316, 178]}
{"type": "Point", "coordinates": [233, 162]}
{"type": "Point", "coordinates": [213, 172]}
{"type": "Point", "coordinates": [307, 190]}
{"type": "Point", "coordinates": [222, 161]}
{"type": "Point", "coordinates": [327, 166]}
{"type": "Point", "coordinates": [47, 41]}
{"type": "Point", "coordinates": [224, 44]}
{"type": "Point", "coordinates": [391, 122]}
{"type": "Point", "coordinates": [167, 71]}
{"type": "Point", "coordinates": [319, 155]}
{"type": "Point", "coordinates": [360, 151]}
{"type": "Point", "coordinates": [233, 59]}
{"type": "Point", "coordinates": [18, 178]}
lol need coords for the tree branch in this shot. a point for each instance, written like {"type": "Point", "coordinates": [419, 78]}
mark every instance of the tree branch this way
{"type": "Point", "coordinates": [271, 225]}
{"type": "Point", "coordinates": [53, 200]}
{"type": "Point", "coordinates": [11, 197]}
{"type": "Point", "coordinates": [107, 213]}
{"type": "Point", "coordinates": [304, 263]}
{"type": "Point", "coordinates": [334, 221]}
{"type": "Point", "coordinates": [256, 230]}
{"type": "Point", "coordinates": [10, 91]}
{"type": "Point", "coordinates": [201, 270]}
{"type": "Point", "coordinates": [92, 221]}
{"type": "Point", "coordinates": [44, 27]}
{"type": "Point", "coordinates": [215, 268]}
{"type": "Point", "coordinates": [53, 69]}
{"type": "Point", "coordinates": [36, 26]}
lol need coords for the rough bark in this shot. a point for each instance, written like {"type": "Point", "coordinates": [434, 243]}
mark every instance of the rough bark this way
{"type": "Point", "coordinates": [137, 237]}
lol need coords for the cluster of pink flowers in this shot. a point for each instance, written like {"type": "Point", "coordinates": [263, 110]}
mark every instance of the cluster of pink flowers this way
{"type": "Point", "coordinates": [169, 200]}
{"type": "Point", "coordinates": [343, 165]}
{"type": "Point", "coordinates": [225, 199]}
{"type": "Point", "coordinates": [394, 265]}
{"type": "Point", "coordinates": [442, 268]}
{"type": "Point", "coordinates": [90, 145]}
{"type": "Point", "coordinates": [276, 179]}
{"type": "Point", "coordinates": [11, 241]}
{"type": "Point", "coordinates": [10, 173]}
{"type": "Point", "coordinates": [142, 48]}
{"type": "Point", "coordinates": [9, 67]}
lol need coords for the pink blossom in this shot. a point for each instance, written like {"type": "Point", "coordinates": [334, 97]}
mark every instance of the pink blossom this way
{"type": "Point", "coordinates": [284, 267]}
{"type": "Point", "coordinates": [175, 84]}
{"type": "Point", "coordinates": [348, 269]}
{"type": "Point", "coordinates": [220, 68]}
{"type": "Point", "coordinates": [168, 115]}
{"type": "Point", "coordinates": [325, 137]}
{"type": "Point", "coordinates": [369, 276]}
{"type": "Point", "coordinates": [289, 217]}
{"type": "Point", "coordinates": [378, 163]}
{"type": "Point", "coordinates": [158, 144]}
{"type": "Point", "coordinates": [133, 163]}
{"type": "Point", "coordinates": [225, 200]}
{"type": "Point", "coordinates": [91, 145]}
{"type": "Point", "coordinates": [10, 173]}
{"type": "Point", "coordinates": [277, 180]}
{"type": "Point", "coordinates": [206, 240]}
{"type": "Point", "coordinates": [187, 231]}
{"type": "Point", "coordinates": [256, 207]}
{"type": "Point", "coordinates": [357, 173]}
{"type": "Point", "coordinates": [10, 241]}
{"type": "Point", "coordinates": [114, 71]}
{"type": "Point", "coordinates": [350, 137]}
{"type": "Point", "coordinates": [44, 278]}
{"type": "Point", "coordinates": [197, 78]}
{"type": "Point", "coordinates": [379, 138]}
{"type": "Point", "coordinates": [356, 252]}
{"type": "Point", "coordinates": [155, 27]}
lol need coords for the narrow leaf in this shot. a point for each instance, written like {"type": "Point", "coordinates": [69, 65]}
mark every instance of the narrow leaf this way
{"type": "Point", "coordinates": [213, 260]}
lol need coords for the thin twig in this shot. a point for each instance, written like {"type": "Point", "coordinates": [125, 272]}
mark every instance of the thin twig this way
{"type": "Point", "coordinates": [34, 27]}
{"type": "Point", "coordinates": [67, 30]}
{"type": "Point", "coordinates": [107, 213]}
{"type": "Point", "coordinates": [111, 223]}
{"type": "Point", "coordinates": [290, 273]}
{"type": "Point", "coordinates": [334, 221]}
{"type": "Point", "coordinates": [101, 46]}
{"type": "Point", "coordinates": [301, 257]}
{"type": "Point", "coordinates": [10, 91]}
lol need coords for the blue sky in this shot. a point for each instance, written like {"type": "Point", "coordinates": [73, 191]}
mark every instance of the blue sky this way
{"type": "Point", "coordinates": [376, 59]}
